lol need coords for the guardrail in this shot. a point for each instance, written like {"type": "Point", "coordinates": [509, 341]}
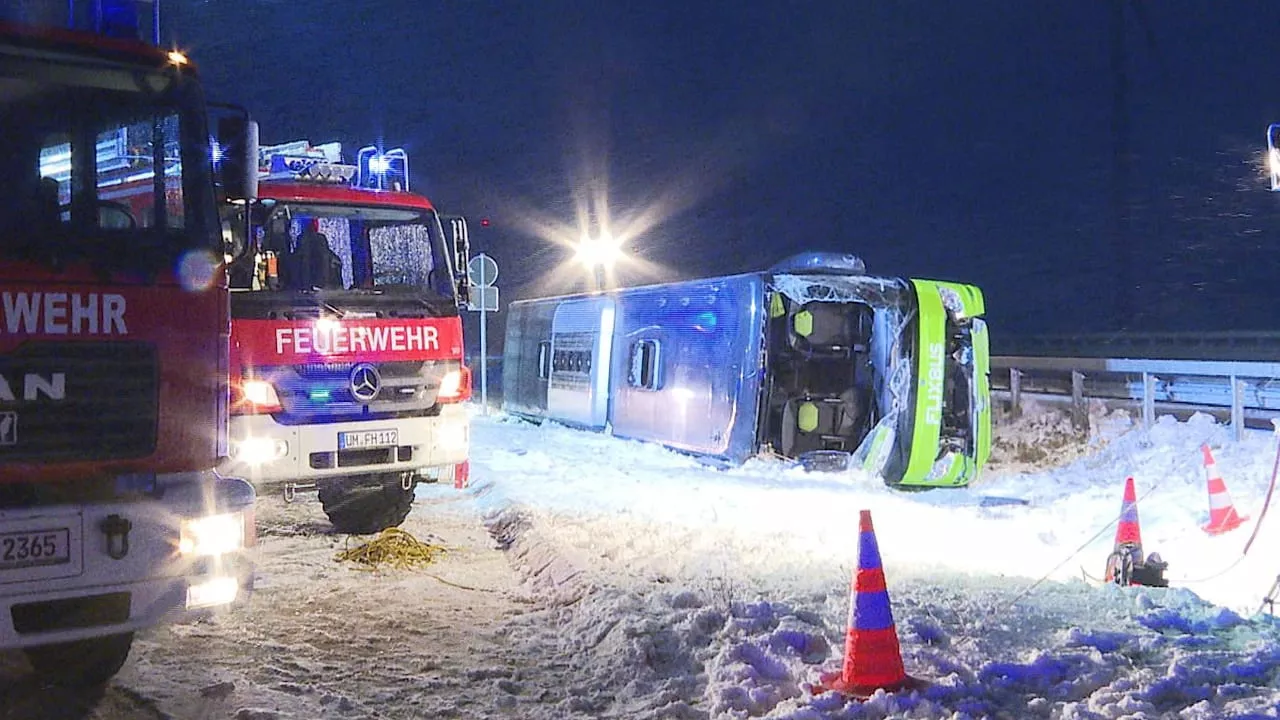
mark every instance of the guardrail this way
{"type": "Point", "coordinates": [1248, 346]}
{"type": "Point", "coordinates": [1247, 393]}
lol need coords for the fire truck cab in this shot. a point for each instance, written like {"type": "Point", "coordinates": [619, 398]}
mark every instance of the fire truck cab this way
{"type": "Point", "coordinates": [347, 355]}
{"type": "Point", "coordinates": [114, 342]}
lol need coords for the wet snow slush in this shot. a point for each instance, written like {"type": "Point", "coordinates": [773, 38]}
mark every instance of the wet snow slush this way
{"type": "Point", "coordinates": [593, 577]}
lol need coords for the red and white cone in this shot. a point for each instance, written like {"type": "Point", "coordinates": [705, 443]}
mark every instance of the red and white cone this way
{"type": "Point", "coordinates": [1222, 512]}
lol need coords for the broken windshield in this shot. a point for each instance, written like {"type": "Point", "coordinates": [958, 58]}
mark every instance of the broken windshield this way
{"type": "Point", "coordinates": [302, 247]}
{"type": "Point", "coordinates": [102, 163]}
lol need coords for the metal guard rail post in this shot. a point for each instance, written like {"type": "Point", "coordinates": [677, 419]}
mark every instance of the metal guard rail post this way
{"type": "Point", "coordinates": [1241, 391]}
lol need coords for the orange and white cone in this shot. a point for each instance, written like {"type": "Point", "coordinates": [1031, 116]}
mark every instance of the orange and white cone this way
{"type": "Point", "coordinates": [872, 657]}
{"type": "Point", "coordinates": [1222, 513]}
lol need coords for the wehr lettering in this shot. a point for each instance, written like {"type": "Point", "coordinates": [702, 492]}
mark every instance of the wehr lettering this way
{"type": "Point", "coordinates": [62, 313]}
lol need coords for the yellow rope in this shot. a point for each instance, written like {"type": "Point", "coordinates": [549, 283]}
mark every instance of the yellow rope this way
{"type": "Point", "coordinates": [393, 547]}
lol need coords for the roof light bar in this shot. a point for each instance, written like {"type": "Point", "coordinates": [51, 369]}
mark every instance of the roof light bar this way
{"type": "Point", "coordinates": [126, 19]}
{"type": "Point", "coordinates": [300, 161]}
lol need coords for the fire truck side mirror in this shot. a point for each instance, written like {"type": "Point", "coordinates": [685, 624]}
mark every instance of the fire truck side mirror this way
{"type": "Point", "coordinates": [238, 138]}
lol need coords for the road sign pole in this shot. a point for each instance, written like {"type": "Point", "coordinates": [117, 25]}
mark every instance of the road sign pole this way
{"type": "Point", "coordinates": [483, 271]}
{"type": "Point", "coordinates": [484, 362]}
{"type": "Point", "coordinates": [484, 348]}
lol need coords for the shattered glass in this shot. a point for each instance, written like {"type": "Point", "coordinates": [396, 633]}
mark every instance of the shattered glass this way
{"type": "Point", "coordinates": [873, 291]}
{"type": "Point", "coordinates": [401, 255]}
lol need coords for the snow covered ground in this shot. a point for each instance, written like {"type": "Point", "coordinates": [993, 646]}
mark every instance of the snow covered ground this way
{"type": "Point", "coordinates": [592, 577]}
{"type": "Point", "coordinates": [722, 593]}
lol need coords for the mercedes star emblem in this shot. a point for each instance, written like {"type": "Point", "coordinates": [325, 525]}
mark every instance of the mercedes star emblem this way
{"type": "Point", "coordinates": [366, 383]}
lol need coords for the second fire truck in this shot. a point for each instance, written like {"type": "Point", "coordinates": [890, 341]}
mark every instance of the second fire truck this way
{"type": "Point", "coordinates": [347, 355]}
{"type": "Point", "coordinates": [113, 348]}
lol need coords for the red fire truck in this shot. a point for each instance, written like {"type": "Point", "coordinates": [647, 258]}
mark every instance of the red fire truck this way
{"type": "Point", "coordinates": [347, 356]}
{"type": "Point", "coordinates": [113, 341]}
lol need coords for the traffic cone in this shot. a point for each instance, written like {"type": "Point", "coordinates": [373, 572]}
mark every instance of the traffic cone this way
{"type": "Point", "coordinates": [872, 658]}
{"type": "Point", "coordinates": [1222, 513]}
{"type": "Point", "coordinates": [1128, 538]}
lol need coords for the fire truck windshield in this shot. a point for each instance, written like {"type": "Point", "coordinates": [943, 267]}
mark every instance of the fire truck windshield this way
{"type": "Point", "coordinates": [103, 163]}
{"type": "Point", "coordinates": [302, 246]}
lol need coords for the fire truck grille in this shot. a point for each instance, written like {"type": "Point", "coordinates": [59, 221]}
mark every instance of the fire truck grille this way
{"type": "Point", "coordinates": [78, 401]}
{"type": "Point", "coordinates": [315, 393]}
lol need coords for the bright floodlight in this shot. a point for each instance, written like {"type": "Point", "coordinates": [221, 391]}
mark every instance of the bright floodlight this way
{"type": "Point", "coordinates": [601, 251]}
{"type": "Point", "coordinates": [379, 165]}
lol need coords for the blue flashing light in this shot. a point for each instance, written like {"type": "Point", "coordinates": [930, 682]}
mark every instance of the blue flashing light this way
{"type": "Point", "coordinates": [129, 19]}
{"type": "Point", "coordinates": [216, 153]}
{"type": "Point", "coordinates": [119, 19]}
{"type": "Point", "coordinates": [318, 395]}
{"type": "Point", "coordinates": [382, 170]}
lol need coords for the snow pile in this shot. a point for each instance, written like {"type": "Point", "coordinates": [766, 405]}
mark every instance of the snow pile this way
{"type": "Point", "coordinates": [674, 590]}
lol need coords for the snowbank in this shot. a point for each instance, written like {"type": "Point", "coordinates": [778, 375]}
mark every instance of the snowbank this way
{"type": "Point", "coordinates": [682, 591]}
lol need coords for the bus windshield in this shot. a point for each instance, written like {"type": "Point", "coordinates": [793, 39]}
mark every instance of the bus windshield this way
{"type": "Point", "coordinates": [102, 162]}
{"type": "Point", "coordinates": [304, 247]}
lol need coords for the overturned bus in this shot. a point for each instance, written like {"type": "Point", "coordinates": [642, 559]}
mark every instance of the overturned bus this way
{"type": "Point", "coordinates": [813, 360]}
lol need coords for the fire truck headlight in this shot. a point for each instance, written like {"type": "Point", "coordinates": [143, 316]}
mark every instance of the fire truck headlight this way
{"type": "Point", "coordinates": [212, 534]}
{"type": "Point", "coordinates": [451, 384]}
{"type": "Point", "coordinates": [257, 450]}
{"type": "Point", "coordinates": [260, 392]}
{"type": "Point", "coordinates": [211, 592]}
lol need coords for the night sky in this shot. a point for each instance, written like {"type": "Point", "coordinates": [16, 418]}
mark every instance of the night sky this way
{"type": "Point", "coordinates": [965, 141]}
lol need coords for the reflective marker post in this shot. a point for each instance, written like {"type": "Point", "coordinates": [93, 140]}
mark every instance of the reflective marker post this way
{"type": "Point", "coordinates": [482, 271]}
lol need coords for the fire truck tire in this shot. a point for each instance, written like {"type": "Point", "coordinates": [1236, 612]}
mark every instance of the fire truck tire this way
{"type": "Point", "coordinates": [81, 663]}
{"type": "Point", "coordinates": [362, 506]}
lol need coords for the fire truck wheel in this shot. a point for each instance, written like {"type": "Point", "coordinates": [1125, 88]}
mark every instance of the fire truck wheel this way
{"type": "Point", "coordinates": [362, 506]}
{"type": "Point", "coordinates": [81, 663]}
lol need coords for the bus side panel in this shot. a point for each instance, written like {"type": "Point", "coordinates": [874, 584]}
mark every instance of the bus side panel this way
{"type": "Point", "coordinates": [526, 357]}
{"type": "Point", "coordinates": [686, 365]}
{"type": "Point", "coordinates": [578, 387]}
